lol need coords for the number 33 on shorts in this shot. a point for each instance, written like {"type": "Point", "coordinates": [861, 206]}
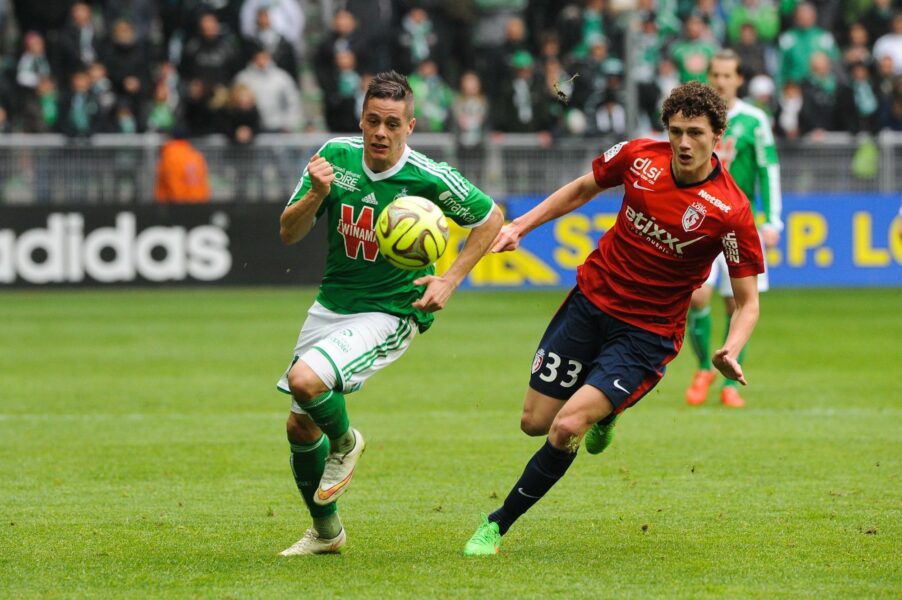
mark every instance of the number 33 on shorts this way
{"type": "Point", "coordinates": [552, 368]}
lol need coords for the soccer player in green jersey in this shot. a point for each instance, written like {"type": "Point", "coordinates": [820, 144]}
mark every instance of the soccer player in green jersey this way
{"type": "Point", "coordinates": [366, 312]}
{"type": "Point", "coordinates": [747, 151]}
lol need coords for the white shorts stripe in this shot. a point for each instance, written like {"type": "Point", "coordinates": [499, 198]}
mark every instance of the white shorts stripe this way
{"type": "Point", "coordinates": [345, 350]}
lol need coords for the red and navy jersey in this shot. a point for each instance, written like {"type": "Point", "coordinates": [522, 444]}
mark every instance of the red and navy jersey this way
{"type": "Point", "coordinates": [665, 238]}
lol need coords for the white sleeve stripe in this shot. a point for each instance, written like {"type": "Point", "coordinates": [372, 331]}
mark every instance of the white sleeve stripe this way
{"type": "Point", "coordinates": [320, 152]}
{"type": "Point", "coordinates": [433, 167]}
{"type": "Point", "coordinates": [483, 220]}
{"type": "Point", "coordinates": [297, 188]}
{"type": "Point", "coordinates": [450, 171]}
{"type": "Point", "coordinates": [357, 142]}
{"type": "Point", "coordinates": [453, 174]}
{"type": "Point", "coordinates": [462, 193]}
{"type": "Point", "coordinates": [450, 184]}
{"type": "Point", "coordinates": [776, 198]}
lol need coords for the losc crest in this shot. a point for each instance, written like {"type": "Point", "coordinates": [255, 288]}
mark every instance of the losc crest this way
{"type": "Point", "coordinates": [693, 217]}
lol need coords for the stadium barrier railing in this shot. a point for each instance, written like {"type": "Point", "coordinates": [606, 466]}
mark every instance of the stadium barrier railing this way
{"type": "Point", "coordinates": [47, 169]}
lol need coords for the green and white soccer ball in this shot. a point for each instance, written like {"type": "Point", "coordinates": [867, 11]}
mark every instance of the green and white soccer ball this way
{"type": "Point", "coordinates": [412, 233]}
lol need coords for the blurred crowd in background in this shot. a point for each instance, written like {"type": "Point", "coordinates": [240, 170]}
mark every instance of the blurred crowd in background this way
{"type": "Point", "coordinates": [244, 67]}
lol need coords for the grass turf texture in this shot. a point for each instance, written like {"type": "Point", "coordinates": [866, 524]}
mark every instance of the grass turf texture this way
{"type": "Point", "coordinates": [142, 453]}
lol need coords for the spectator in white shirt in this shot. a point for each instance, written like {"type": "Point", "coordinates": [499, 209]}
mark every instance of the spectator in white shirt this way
{"type": "Point", "coordinates": [278, 98]}
{"type": "Point", "coordinates": [890, 45]}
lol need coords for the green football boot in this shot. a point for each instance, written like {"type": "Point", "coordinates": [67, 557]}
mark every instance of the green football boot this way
{"type": "Point", "coordinates": [600, 436]}
{"type": "Point", "coordinates": [486, 541]}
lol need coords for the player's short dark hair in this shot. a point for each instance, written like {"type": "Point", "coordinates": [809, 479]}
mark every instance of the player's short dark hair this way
{"type": "Point", "coordinates": [727, 54]}
{"type": "Point", "coordinates": [696, 99]}
{"type": "Point", "coordinates": [390, 85]}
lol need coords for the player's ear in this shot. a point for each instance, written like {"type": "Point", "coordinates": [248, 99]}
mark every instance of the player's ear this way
{"type": "Point", "coordinates": [411, 124]}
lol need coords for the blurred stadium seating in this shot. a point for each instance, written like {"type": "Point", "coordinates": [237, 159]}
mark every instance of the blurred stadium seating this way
{"type": "Point", "coordinates": [596, 70]}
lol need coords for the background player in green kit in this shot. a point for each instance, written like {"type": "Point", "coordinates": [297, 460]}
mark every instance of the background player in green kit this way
{"type": "Point", "coordinates": [366, 312]}
{"type": "Point", "coordinates": [747, 151]}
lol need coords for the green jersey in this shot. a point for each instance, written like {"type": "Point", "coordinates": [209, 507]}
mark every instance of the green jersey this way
{"type": "Point", "coordinates": [796, 48]}
{"type": "Point", "coordinates": [692, 58]}
{"type": "Point", "coordinates": [357, 278]}
{"type": "Point", "coordinates": [748, 152]}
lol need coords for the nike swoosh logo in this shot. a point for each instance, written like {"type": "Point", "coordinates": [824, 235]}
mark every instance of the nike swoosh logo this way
{"type": "Point", "coordinates": [639, 187]}
{"type": "Point", "coordinates": [527, 495]}
{"type": "Point", "coordinates": [681, 245]}
{"type": "Point", "coordinates": [620, 387]}
{"type": "Point", "coordinates": [326, 494]}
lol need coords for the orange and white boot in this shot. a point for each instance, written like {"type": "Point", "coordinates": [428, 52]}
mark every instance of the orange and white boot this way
{"type": "Point", "coordinates": [729, 397]}
{"type": "Point", "coordinates": [698, 390]}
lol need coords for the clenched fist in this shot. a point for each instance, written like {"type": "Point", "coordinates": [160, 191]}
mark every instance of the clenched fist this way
{"type": "Point", "coordinates": [321, 175]}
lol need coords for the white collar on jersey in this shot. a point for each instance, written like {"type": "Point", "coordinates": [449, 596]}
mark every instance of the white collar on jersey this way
{"type": "Point", "coordinates": [387, 173]}
{"type": "Point", "coordinates": [738, 105]}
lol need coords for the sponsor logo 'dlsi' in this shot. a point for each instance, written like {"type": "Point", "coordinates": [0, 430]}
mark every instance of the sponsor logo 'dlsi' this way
{"type": "Point", "coordinates": [642, 168]}
{"type": "Point", "coordinates": [63, 252]}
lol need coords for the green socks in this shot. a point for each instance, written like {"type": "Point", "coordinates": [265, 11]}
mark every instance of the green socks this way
{"type": "Point", "coordinates": [327, 527]}
{"type": "Point", "coordinates": [329, 413]}
{"type": "Point", "coordinates": [698, 329]}
{"type": "Point", "coordinates": [307, 464]}
{"type": "Point", "coordinates": [308, 461]}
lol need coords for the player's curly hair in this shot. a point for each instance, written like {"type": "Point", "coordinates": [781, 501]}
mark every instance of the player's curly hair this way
{"type": "Point", "coordinates": [696, 99]}
{"type": "Point", "coordinates": [390, 85]}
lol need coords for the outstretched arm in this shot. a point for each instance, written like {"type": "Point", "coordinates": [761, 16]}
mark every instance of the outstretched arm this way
{"type": "Point", "coordinates": [564, 200]}
{"type": "Point", "coordinates": [745, 292]}
{"type": "Point", "coordinates": [439, 289]}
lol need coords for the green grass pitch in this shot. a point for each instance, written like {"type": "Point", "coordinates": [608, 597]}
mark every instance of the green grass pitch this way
{"type": "Point", "coordinates": [143, 454]}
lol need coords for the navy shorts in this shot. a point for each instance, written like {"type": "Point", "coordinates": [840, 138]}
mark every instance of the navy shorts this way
{"type": "Point", "coordinates": [585, 345]}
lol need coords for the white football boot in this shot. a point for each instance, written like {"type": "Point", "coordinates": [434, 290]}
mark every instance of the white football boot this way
{"type": "Point", "coordinates": [338, 472]}
{"type": "Point", "coordinates": [311, 543]}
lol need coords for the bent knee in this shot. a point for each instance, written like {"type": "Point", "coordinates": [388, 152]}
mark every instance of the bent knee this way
{"type": "Point", "coordinates": [304, 384]}
{"type": "Point", "coordinates": [568, 428]}
{"type": "Point", "coordinates": [532, 426]}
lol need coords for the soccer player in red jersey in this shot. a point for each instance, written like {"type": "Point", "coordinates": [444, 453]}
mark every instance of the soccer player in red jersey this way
{"type": "Point", "coordinates": [609, 343]}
